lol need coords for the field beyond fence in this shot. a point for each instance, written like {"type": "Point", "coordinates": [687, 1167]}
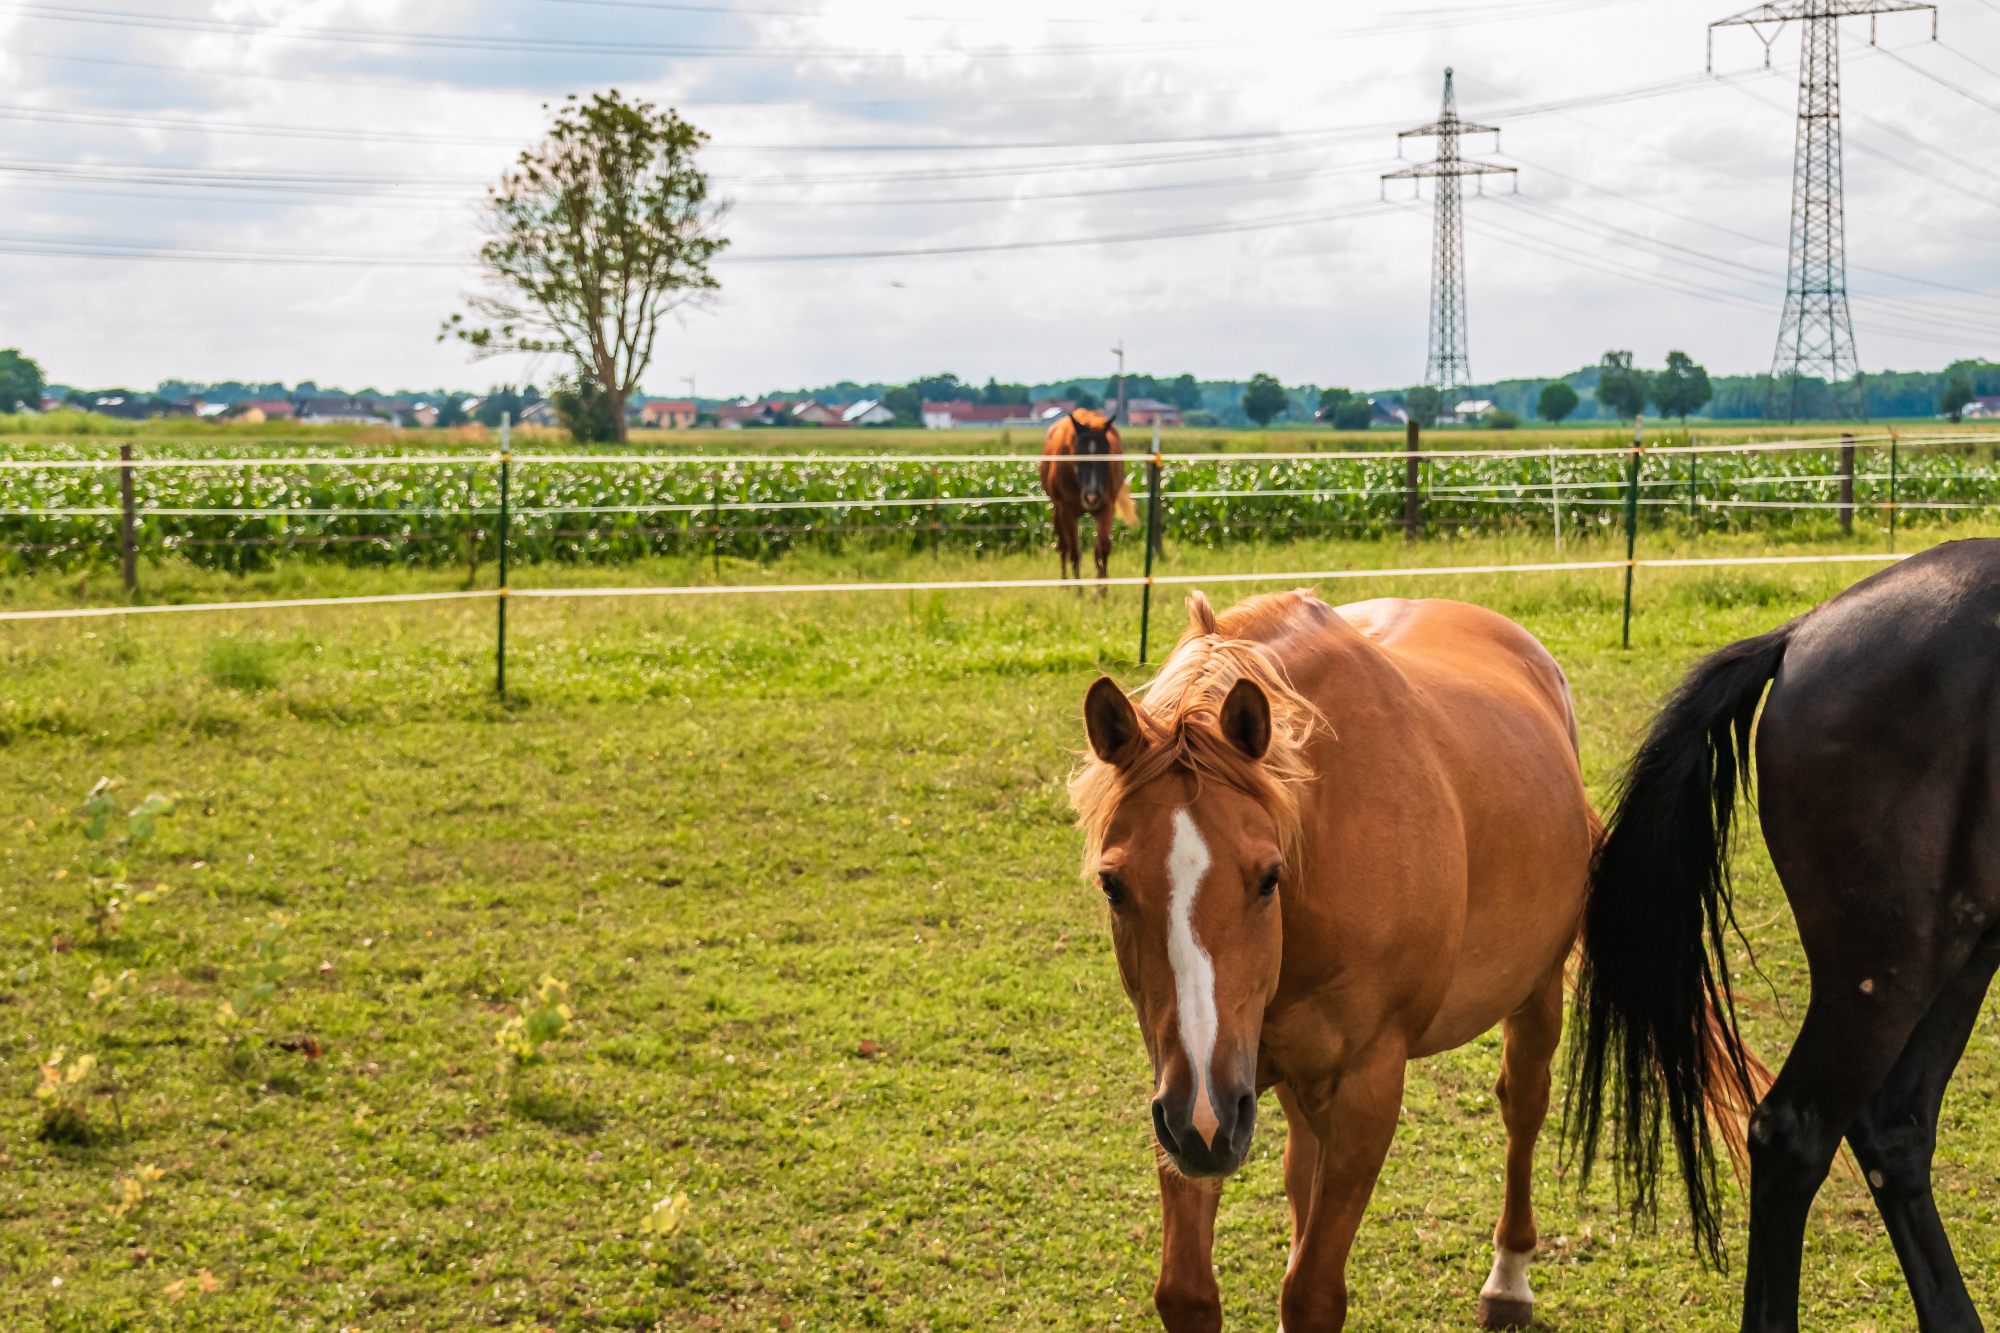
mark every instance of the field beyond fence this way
{"type": "Point", "coordinates": [68, 506]}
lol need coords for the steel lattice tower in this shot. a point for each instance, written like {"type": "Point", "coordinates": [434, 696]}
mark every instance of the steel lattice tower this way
{"type": "Point", "coordinates": [1447, 367]}
{"type": "Point", "coordinates": [1815, 336]}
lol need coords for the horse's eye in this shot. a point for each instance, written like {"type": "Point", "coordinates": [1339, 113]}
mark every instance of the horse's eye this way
{"type": "Point", "coordinates": [1114, 888]}
{"type": "Point", "coordinates": [1269, 884]}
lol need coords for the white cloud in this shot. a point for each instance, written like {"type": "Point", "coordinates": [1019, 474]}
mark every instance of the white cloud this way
{"type": "Point", "coordinates": [1648, 223]}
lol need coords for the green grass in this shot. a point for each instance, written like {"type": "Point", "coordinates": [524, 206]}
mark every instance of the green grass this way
{"type": "Point", "coordinates": [752, 834]}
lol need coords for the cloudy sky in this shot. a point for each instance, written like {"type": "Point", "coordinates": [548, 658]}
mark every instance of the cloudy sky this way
{"type": "Point", "coordinates": [270, 189]}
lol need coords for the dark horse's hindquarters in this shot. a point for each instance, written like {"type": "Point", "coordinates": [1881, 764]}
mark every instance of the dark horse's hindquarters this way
{"type": "Point", "coordinates": [1878, 774]}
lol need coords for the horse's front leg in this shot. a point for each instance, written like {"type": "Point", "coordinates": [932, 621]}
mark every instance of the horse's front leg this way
{"type": "Point", "coordinates": [1186, 1295]}
{"type": "Point", "coordinates": [1103, 517]}
{"type": "Point", "coordinates": [1352, 1121]}
{"type": "Point", "coordinates": [1532, 1034]}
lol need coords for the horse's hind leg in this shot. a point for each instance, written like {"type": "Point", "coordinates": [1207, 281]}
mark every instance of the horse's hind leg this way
{"type": "Point", "coordinates": [1531, 1035]}
{"type": "Point", "coordinates": [1896, 1133]}
{"type": "Point", "coordinates": [1846, 1046]}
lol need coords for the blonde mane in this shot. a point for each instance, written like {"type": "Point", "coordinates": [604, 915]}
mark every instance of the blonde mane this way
{"type": "Point", "coordinates": [1180, 720]}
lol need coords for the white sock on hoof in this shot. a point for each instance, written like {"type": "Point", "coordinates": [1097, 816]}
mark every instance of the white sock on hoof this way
{"type": "Point", "coordinates": [1509, 1278]}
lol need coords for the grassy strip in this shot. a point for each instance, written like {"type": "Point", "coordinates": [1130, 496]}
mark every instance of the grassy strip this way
{"type": "Point", "coordinates": [806, 868]}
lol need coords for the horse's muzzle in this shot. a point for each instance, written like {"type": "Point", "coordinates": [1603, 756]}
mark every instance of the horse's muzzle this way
{"type": "Point", "coordinates": [1236, 1122]}
{"type": "Point", "coordinates": [1092, 501]}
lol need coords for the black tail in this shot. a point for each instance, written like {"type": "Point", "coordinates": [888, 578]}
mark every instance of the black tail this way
{"type": "Point", "coordinates": [1654, 980]}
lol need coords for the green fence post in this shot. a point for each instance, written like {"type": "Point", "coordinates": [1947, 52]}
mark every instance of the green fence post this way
{"type": "Point", "coordinates": [1631, 526]}
{"type": "Point", "coordinates": [715, 546]}
{"type": "Point", "coordinates": [937, 521]}
{"type": "Point", "coordinates": [1846, 484]}
{"type": "Point", "coordinates": [500, 651]}
{"type": "Point", "coordinates": [128, 538]}
{"type": "Point", "coordinates": [1152, 540]}
{"type": "Point", "coordinates": [1555, 498]}
{"type": "Point", "coordinates": [1694, 485]}
{"type": "Point", "coordinates": [1412, 511]}
{"type": "Point", "coordinates": [1893, 441]}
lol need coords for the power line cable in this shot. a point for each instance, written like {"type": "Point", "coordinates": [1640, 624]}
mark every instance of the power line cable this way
{"type": "Point", "coordinates": [1941, 81]}
{"type": "Point", "coordinates": [566, 46]}
{"type": "Point", "coordinates": [1886, 157]}
{"type": "Point", "coordinates": [1730, 231]}
{"type": "Point", "coordinates": [1369, 208]}
{"type": "Point", "coordinates": [70, 247]}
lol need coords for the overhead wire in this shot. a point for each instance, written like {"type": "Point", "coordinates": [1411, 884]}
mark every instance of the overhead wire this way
{"type": "Point", "coordinates": [544, 47]}
{"type": "Point", "coordinates": [1941, 81]}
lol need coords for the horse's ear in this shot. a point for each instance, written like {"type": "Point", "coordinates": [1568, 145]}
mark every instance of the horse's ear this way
{"type": "Point", "coordinates": [1111, 723]}
{"type": "Point", "coordinates": [1111, 417]}
{"type": "Point", "coordinates": [1246, 718]}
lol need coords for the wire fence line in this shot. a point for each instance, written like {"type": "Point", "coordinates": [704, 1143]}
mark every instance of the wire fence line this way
{"type": "Point", "coordinates": [1820, 443]}
{"type": "Point", "coordinates": [945, 585]}
{"type": "Point", "coordinates": [434, 509]}
{"type": "Point", "coordinates": [510, 507]}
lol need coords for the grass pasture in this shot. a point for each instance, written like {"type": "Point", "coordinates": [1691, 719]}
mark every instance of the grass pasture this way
{"type": "Point", "coordinates": [805, 865]}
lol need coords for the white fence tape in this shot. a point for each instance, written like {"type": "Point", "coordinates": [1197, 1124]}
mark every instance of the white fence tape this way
{"type": "Point", "coordinates": [1158, 580]}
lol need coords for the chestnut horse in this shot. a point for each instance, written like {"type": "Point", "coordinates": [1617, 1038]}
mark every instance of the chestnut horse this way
{"type": "Point", "coordinates": [1094, 484]}
{"type": "Point", "coordinates": [1334, 840]}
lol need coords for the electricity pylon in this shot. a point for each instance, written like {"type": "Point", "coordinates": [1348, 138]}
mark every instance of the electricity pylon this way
{"type": "Point", "coordinates": [1447, 366]}
{"type": "Point", "coordinates": [1815, 336]}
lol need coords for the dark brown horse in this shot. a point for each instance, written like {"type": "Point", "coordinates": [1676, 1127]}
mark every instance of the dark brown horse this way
{"type": "Point", "coordinates": [1094, 484]}
{"type": "Point", "coordinates": [1334, 840]}
{"type": "Point", "coordinates": [1879, 757]}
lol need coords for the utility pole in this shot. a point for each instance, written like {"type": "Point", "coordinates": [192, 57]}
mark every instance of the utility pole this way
{"type": "Point", "coordinates": [1119, 352]}
{"type": "Point", "coordinates": [1447, 365]}
{"type": "Point", "coordinates": [1815, 335]}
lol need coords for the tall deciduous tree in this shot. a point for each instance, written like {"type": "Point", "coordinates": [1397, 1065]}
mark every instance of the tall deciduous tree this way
{"type": "Point", "coordinates": [1681, 388]}
{"type": "Point", "coordinates": [1956, 395]}
{"type": "Point", "coordinates": [1264, 399]}
{"type": "Point", "coordinates": [1558, 400]}
{"type": "Point", "coordinates": [946, 388]}
{"type": "Point", "coordinates": [21, 383]}
{"type": "Point", "coordinates": [1423, 403]}
{"type": "Point", "coordinates": [1620, 387]}
{"type": "Point", "coordinates": [594, 237]}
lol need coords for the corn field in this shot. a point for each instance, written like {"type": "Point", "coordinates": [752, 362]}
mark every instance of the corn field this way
{"type": "Point", "coordinates": [437, 511]}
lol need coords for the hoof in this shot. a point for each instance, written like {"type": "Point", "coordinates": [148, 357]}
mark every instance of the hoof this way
{"type": "Point", "coordinates": [1505, 1312]}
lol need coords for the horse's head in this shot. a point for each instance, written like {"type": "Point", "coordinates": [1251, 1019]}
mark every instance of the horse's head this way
{"type": "Point", "coordinates": [1188, 815]}
{"type": "Point", "coordinates": [1093, 447]}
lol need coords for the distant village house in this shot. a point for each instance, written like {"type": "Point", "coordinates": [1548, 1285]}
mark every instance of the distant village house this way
{"type": "Point", "coordinates": [668, 414]}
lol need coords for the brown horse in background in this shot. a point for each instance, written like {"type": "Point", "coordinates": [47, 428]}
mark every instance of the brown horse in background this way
{"type": "Point", "coordinates": [1335, 840]}
{"type": "Point", "coordinates": [1094, 484]}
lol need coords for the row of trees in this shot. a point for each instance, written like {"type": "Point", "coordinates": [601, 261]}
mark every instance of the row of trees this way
{"type": "Point", "coordinates": [1676, 391]}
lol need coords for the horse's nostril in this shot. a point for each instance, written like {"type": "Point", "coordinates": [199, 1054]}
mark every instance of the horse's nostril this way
{"type": "Point", "coordinates": [1246, 1123]}
{"type": "Point", "coordinates": [1160, 1130]}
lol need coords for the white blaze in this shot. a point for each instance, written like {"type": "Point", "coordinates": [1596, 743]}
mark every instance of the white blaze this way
{"type": "Point", "coordinates": [1194, 974]}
